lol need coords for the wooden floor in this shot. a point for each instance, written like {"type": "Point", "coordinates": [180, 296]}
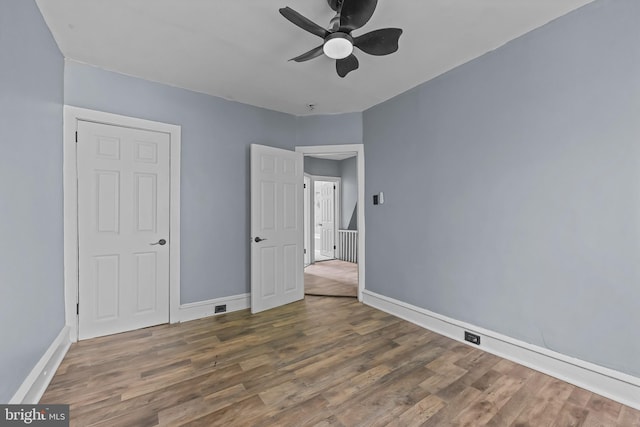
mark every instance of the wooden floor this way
{"type": "Point", "coordinates": [331, 278]}
{"type": "Point", "coordinates": [321, 361]}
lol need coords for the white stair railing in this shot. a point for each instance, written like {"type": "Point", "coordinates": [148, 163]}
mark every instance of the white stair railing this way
{"type": "Point", "coordinates": [348, 245]}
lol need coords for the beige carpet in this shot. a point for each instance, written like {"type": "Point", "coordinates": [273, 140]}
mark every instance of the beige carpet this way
{"type": "Point", "coordinates": [331, 278]}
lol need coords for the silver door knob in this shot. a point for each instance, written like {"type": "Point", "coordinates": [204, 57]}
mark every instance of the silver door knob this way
{"type": "Point", "coordinates": [160, 242]}
{"type": "Point", "coordinates": [258, 239]}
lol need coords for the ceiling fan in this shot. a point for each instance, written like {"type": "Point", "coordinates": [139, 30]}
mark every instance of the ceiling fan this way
{"type": "Point", "coordinates": [338, 41]}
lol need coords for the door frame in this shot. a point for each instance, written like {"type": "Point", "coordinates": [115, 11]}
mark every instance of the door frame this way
{"type": "Point", "coordinates": [358, 150]}
{"type": "Point", "coordinates": [307, 197]}
{"type": "Point", "coordinates": [70, 200]}
{"type": "Point", "coordinates": [337, 210]}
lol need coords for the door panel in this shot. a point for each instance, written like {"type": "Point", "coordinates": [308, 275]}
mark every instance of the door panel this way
{"type": "Point", "coordinates": [276, 218]}
{"type": "Point", "coordinates": [290, 214]}
{"type": "Point", "coordinates": [123, 207]}
{"type": "Point", "coordinates": [107, 281]}
{"type": "Point", "coordinates": [291, 257]}
{"type": "Point", "coordinates": [268, 205]}
{"type": "Point", "coordinates": [108, 192]}
{"type": "Point", "coordinates": [146, 202]}
{"type": "Point", "coordinates": [146, 265]}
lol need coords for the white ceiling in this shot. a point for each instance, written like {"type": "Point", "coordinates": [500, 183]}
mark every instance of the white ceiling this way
{"type": "Point", "coordinates": [239, 50]}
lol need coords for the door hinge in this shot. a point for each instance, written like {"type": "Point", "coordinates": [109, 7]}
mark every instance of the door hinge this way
{"type": "Point", "coordinates": [78, 308]}
{"type": "Point", "coordinates": [334, 187]}
{"type": "Point", "coordinates": [334, 247]}
{"type": "Point", "coordinates": [304, 185]}
{"type": "Point", "coordinates": [304, 251]}
{"type": "Point", "coordinates": [76, 136]}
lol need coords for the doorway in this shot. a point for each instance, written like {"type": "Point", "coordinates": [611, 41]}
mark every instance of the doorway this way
{"type": "Point", "coordinates": [326, 213]}
{"type": "Point", "coordinates": [277, 183]}
{"type": "Point", "coordinates": [333, 268]}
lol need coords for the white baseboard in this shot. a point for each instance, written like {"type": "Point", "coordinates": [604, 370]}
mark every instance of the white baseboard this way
{"type": "Point", "coordinates": [34, 386]}
{"type": "Point", "coordinates": [198, 310]}
{"type": "Point", "coordinates": [606, 382]}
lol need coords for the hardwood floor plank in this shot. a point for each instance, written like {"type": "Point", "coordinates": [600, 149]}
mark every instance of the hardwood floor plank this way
{"type": "Point", "coordinates": [446, 415]}
{"type": "Point", "coordinates": [546, 405]}
{"type": "Point", "coordinates": [474, 371]}
{"type": "Point", "coordinates": [246, 412]}
{"type": "Point", "coordinates": [195, 408]}
{"type": "Point", "coordinates": [143, 418]}
{"type": "Point", "coordinates": [308, 412]}
{"type": "Point", "coordinates": [419, 413]}
{"type": "Point", "coordinates": [629, 417]}
{"type": "Point", "coordinates": [320, 361]}
{"type": "Point", "coordinates": [385, 400]}
{"type": "Point", "coordinates": [489, 402]}
{"type": "Point", "coordinates": [344, 390]}
{"type": "Point", "coordinates": [571, 415]}
{"type": "Point", "coordinates": [520, 400]}
{"type": "Point", "coordinates": [486, 380]}
{"type": "Point", "coordinates": [579, 397]}
{"type": "Point", "coordinates": [607, 408]}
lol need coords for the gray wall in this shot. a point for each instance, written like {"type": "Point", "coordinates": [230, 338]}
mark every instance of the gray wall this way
{"type": "Point", "coordinates": [512, 189]}
{"type": "Point", "coordinates": [216, 135]}
{"type": "Point", "coordinates": [349, 173]}
{"type": "Point", "coordinates": [31, 276]}
{"type": "Point", "coordinates": [321, 167]}
{"type": "Point", "coordinates": [330, 129]}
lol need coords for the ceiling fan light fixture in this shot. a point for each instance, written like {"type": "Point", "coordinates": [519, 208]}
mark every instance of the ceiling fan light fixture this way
{"type": "Point", "coordinates": [338, 45]}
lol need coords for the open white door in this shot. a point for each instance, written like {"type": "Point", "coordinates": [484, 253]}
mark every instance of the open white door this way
{"type": "Point", "coordinates": [276, 227]}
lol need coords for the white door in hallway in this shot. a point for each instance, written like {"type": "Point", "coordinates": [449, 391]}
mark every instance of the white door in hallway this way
{"type": "Point", "coordinates": [123, 228]}
{"type": "Point", "coordinates": [325, 217]}
{"type": "Point", "coordinates": [277, 245]}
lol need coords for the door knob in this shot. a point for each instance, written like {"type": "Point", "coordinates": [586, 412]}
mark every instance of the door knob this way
{"type": "Point", "coordinates": [258, 239]}
{"type": "Point", "coordinates": [160, 242]}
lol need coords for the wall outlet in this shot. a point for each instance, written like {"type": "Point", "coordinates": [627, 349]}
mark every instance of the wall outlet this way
{"type": "Point", "coordinates": [472, 338]}
{"type": "Point", "coordinates": [220, 308]}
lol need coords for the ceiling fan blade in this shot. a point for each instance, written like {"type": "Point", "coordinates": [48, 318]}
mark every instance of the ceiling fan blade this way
{"type": "Point", "coordinates": [355, 13]}
{"type": "Point", "coordinates": [313, 53]}
{"type": "Point", "coordinates": [379, 42]}
{"type": "Point", "coordinates": [346, 65]}
{"type": "Point", "coordinates": [334, 4]}
{"type": "Point", "coordinates": [302, 22]}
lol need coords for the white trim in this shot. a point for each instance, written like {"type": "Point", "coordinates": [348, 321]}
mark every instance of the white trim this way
{"type": "Point", "coordinates": [202, 309]}
{"type": "Point", "coordinates": [307, 229]}
{"type": "Point", "coordinates": [358, 149]}
{"type": "Point", "coordinates": [71, 117]}
{"type": "Point", "coordinates": [606, 382]}
{"type": "Point", "coordinates": [34, 386]}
